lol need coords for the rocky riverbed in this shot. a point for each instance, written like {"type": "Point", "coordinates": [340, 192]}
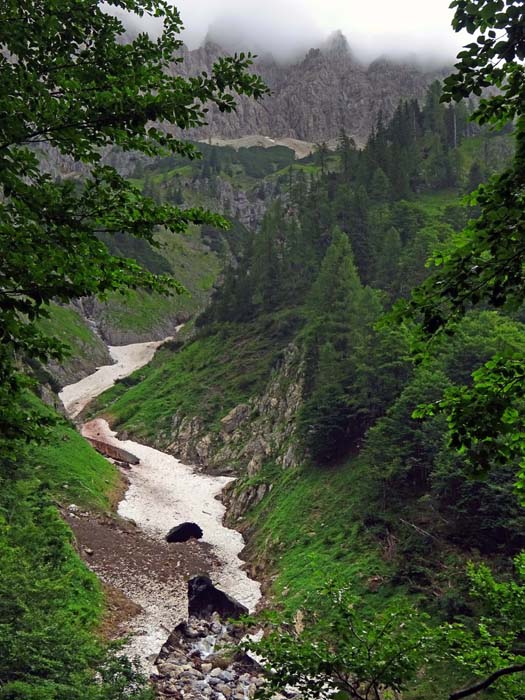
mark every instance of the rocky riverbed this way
{"type": "Point", "coordinates": [200, 660]}
{"type": "Point", "coordinates": [161, 492]}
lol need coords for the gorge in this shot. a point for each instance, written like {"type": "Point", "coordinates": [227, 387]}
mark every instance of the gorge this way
{"type": "Point", "coordinates": [312, 398]}
{"type": "Point", "coordinates": [161, 491]}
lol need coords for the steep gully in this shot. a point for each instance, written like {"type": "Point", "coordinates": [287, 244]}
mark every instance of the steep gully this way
{"type": "Point", "coordinates": [161, 493]}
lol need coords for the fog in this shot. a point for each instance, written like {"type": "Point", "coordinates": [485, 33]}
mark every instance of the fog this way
{"type": "Point", "coordinates": [287, 28]}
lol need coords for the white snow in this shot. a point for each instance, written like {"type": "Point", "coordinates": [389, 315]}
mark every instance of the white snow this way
{"type": "Point", "coordinates": [162, 493]}
{"type": "Point", "coordinates": [127, 358]}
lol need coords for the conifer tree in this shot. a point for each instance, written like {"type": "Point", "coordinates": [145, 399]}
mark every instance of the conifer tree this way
{"type": "Point", "coordinates": [386, 263]}
{"type": "Point", "coordinates": [267, 261]}
{"type": "Point", "coordinates": [339, 312]}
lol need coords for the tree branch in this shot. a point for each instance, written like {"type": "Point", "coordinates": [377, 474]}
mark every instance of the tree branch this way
{"type": "Point", "coordinates": [516, 668]}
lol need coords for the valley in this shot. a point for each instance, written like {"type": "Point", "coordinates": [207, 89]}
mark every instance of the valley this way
{"type": "Point", "coordinates": [262, 354]}
{"type": "Point", "coordinates": [160, 492]}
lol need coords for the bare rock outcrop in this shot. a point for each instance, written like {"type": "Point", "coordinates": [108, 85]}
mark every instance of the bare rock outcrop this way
{"type": "Point", "coordinates": [252, 434]}
{"type": "Point", "coordinates": [315, 97]}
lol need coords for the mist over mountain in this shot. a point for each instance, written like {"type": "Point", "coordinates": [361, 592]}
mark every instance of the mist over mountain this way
{"type": "Point", "coordinates": [316, 96]}
{"type": "Point", "coordinates": [321, 80]}
{"type": "Point", "coordinates": [286, 29]}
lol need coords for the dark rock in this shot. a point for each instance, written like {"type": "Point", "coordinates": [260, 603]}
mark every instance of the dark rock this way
{"type": "Point", "coordinates": [204, 599]}
{"type": "Point", "coordinates": [113, 452]}
{"type": "Point", "coordinates": [184, 532]}
{"type": "Point", "coordinates": [246, 663]}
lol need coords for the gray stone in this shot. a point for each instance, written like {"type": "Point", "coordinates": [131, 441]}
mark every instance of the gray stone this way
{"type": "Point", "coordinates": [235, 418]}
{"type": "Point", "coordinates": [224, 689]}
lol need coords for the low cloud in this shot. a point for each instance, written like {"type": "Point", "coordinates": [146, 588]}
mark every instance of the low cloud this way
{"type": "Point", "coordinates": [288, 28]}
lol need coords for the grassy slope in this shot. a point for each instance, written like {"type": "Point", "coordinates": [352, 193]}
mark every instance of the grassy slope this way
{"type": "Point", "coordinates": [67, 325]}
{"type": "Point", "coordinates": [207, 378]}
{"type": "Point", "coordinates": [86, 349]}
{"type": "Point", "coordinates": [46, 648]}
{"type": "Point", "coordinates": [311, 527]}
{"type": "Point", "coordinates": [73, 472]}
{"type": "Point", "coordinates": [193, 264]}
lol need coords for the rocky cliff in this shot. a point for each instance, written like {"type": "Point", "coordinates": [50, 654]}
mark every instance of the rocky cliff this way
{"type": "Point", "coordinates": [251, 435]}
{"type": "Point", "coordinates": [314, 98]}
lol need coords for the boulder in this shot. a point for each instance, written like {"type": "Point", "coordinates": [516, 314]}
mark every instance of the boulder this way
{"type": "Point", "coordinates": [184, 532]}
{"type": "Point", "coordinates": [204, 599]}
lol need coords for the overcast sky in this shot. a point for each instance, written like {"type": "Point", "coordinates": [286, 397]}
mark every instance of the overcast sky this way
{"type": "Point", "coordinates": [288, 27]}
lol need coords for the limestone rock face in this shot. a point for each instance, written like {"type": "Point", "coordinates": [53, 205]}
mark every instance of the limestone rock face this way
{"type": "Point", "coordinates": [313, 98]}
{"type": "Point", "coordinates": [234, 418]}
{"type": "Point", "coordinates": [251, 435]}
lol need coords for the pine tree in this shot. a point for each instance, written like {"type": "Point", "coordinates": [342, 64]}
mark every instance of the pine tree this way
{"type": "Point", "coordinates": [359, 232]}
{"type": "Point", "coordinates": [339, 309]}
{"type": "Point", "coordinates": [346, 150]}
{"type": "Point", "coordinates": [379, 189]}
{"type": "Point", "coordinates": [323, 419]}
{"type": "Point", "coordinates": [267, 261]}
{"type": "Point", "coordinates": [386, 262]}
{"type": "Point", "coordinates": [337, 291]}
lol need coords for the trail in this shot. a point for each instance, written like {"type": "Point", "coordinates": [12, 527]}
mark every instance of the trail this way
{"type": "Point", "coordinates": [162, 492]}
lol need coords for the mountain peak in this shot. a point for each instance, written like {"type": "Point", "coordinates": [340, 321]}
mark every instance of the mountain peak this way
{"type": "Point", "coordinates": [337, 44]}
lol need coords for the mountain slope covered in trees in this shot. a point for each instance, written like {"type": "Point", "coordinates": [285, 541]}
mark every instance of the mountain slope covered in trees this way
{"type": "Point", "coordinates": [359, 517]}
{"type": "Point", "coordinates": [290, 382]}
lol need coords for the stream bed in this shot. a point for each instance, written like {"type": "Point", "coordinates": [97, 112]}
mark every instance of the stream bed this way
{"type": "Point", "coordinates": [162, 493]}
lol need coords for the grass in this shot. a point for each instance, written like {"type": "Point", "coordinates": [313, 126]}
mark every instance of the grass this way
{"type": "Point", "coordinates": [206, 378]}
{"type": "Point", "coordinates": [435, 203]}
{"type": "Point", "coordinates": [68, 326]}
{"type": "Point", "coordinates": [52, 604]}
{"type": "Point", "coordinates": [74, 472]}
{"type": "Point", "coordinates": [71, 470]}
{"type": "Point", "coordinates": [194, 265]}
{"type": "Point", "coordinates": [310, 526]}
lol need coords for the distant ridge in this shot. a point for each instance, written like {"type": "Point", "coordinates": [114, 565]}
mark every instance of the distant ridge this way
{"type": "Point", "coordinates": [315, 97]}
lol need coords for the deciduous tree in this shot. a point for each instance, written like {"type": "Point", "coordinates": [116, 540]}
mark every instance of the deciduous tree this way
{"type": "Point", "coordinates": [72, 81]}
{"type": "Point", "coordinates": [486, 263]}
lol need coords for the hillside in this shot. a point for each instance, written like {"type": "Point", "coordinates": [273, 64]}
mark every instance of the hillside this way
{"type": "Point", "coordinates": [289, 384]}
{"type": "Point", "coordinates": [292, 413]}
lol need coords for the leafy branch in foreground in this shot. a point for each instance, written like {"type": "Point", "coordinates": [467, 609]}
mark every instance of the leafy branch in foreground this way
{"type": "Point", "coordinates": [342, 647]}
{"type": "Point", "coordinates": [498, 391]}
{"type": "Point", "coordinates": [493, 649]}
{"type": "Point", "coordinates": [70, 80]}
{"type": "Point", "coordinates": [485, 264]}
